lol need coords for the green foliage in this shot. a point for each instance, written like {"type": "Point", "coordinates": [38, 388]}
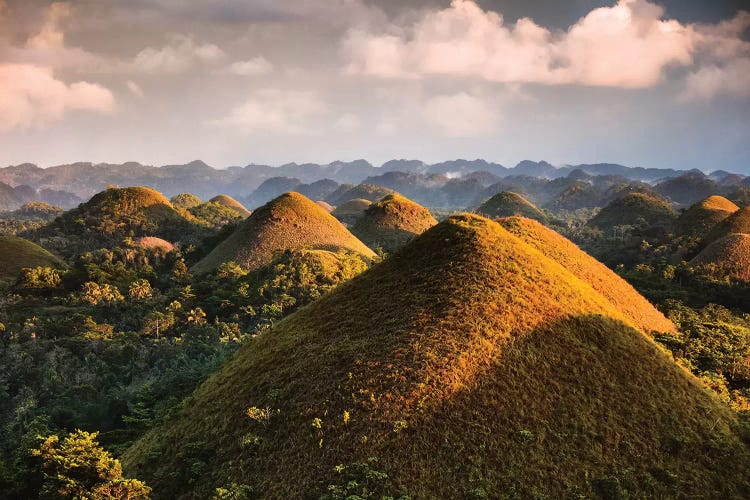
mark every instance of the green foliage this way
{"type": "Point", "coordinates": [362, 481]}
{"type": "Point", "coordinates": [77, 467]}
{"type": "Point", "coordinates": [38, 278]}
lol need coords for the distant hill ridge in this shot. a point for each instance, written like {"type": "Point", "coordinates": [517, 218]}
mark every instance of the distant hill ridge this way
{"type": "Point", "coordinates": [83, 179]}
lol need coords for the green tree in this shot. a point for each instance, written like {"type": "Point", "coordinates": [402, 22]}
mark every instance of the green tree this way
{"type": "Point", "coordinates": [77, 467]}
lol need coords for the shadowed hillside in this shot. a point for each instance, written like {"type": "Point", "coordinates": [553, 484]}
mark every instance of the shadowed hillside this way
{"type": "Point", "coordinates": [17, 253]}
{"type": "Point", "coordinates": [351, 211]}
{"type": "Point", "coordinates": [635, 209]}
{"type": "Point", "coordinates": [467, 364]}
{"type": "Point", "coordinates": [392, 222]}
{"type": "Point", "coordinates": [368, 192]}
{"type": "Point", "coordinates": [289, 222]}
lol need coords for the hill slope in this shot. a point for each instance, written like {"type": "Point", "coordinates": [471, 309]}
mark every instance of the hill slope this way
{"type": "Point", "coordinates": [738, 222]}
{"type": "Point", "coordinates": [289, 222]}
{"type": "Point", "coordinates": [602, 279]}
{"type": "Point", "coordinates": [17, 253]}
{"type": "Point", "coordinates": [704, 215]}
{"type": "Point", "coordinates": [727, 256]}
{"type": "Point", "coordinates": [634, 209]}
{"type": "Point", "coordinates": [392, 222]}
{"type": "Point", "coordinates": [466, 364]}
{"type": "Point", "coordinates": [231, 203]}
{"type": "Point", "coordinates": [508, 204]}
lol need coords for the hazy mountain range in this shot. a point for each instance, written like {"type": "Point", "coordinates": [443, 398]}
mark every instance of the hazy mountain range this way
{"type": "Point", "coordinates": [68, 185]}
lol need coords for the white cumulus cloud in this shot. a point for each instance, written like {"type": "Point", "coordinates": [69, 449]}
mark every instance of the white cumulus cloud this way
{"type": "Point", "coordinates": [252, 67]}
{"type": "Point", "coordinates": [30, 96]}
{"type": "Point", "coordinates": [275, 111]}
{"type": "Point", "coordinates": [627, 45]}
{"type": "Point", "coordinates": [180, 54]}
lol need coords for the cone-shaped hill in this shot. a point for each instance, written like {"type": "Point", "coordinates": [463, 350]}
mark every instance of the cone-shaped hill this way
{"type": "Point", "coordinates": [289, 222]}
{"type": "Point", "coordinates": [467, 363]}
{"type": "Point", "coordinates": [727, 256]}
{"type": "Point", "coordinates": [738, 222]}
{"type": "Point", "coordinates": [508, 204]}
{"type": "Point", "coordinates": [369, 192]}
{"type": "Point", "coordinates": [635, 209]}
{"type": "Point", "coordinates": [17, 253]}
{"type": "Point", "coordinates": [700, 218]}
{"type": "Point", "coordinates": [351, 211]}
{"type": "Point", "coordinates": [185, 200]}
{"type": "Point", "coordinates": [602, 279]}
{"type": "Point", "coordinates": [230, 203]}
{"type": "Point", "coordinates": [392, 222]}
{"type": "Point", "coordinates": [325, 206]}
{"type": "Point", "coordinates": [117, 213]}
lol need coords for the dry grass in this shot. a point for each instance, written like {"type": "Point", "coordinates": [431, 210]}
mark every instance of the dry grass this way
{"type": "Point", "coordinates": [392, 222]}
{"type": "Point", "coordinates": [468, 362]}
{"type": "Point", "coordinates": [289, 222]}
{"type": "Point", "coordinates": [508, 204]}
{"type": "Point", "coordinates": [126, 201]}
{"type": "Point", "coordinates": [185, 200]}
{"type": "Point", "coordinates": [325, 206]}
{"type": "Point", "coordinates": [151, 242]}
{"type": "Point", "coordinates": [727, 256]}
{"type": "Point", "coordinates": [635, 209]}
{"type": "Point", "coordinates": [230, 203]}
{"type": "Point", "coordinates": [738, 222]}
{"type": "Point", "coordinates": [704, 215]}
{"type": "Point", "coordinates": [17, 253]}
{"type": "Point", "coordinates": [602, 279]}
{"type": "Point", "coordinates": [369, 192]}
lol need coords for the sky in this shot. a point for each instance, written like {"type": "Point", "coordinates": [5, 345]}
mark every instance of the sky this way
{"type": "Point", "coordinates": [235, 82]}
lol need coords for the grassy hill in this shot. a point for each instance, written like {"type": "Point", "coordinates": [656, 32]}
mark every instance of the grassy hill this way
{"type": "Point", "coordinates": [351, 211]}
{"type": "Point", "coordinates": [738, 222]}
{"type": "Point", "coordinates": [289, 222]}
{"type": "Point", "coordinates": [185, 200]}
{"type": "Point", "coordinates": [115, 214]}
{"type": "Point", "coordinates": [325, 206]}
{"type": "Point", "coordinates": [392, 222]}
{"type": "Point", "coordinates": [727, 256]}
{"type": "Point", "coordinates": [602, 279]}
{"type": "Point", "coordinates": [467, 364]}
{"type": "Point", "coordinates": [704, 215]}
{"type": "Point", "coordinates": [635, 209]}
{"type": "Point", "coordinates": [231, 203]}
{"type": "Point", "coordinates": [346, 192]}
{"type": "Point", "coordinates": [508, 204]}
{"type": "Point", "coordinates": [17, 253]}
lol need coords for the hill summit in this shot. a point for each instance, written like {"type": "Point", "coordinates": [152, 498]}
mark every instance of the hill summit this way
{"type": "Point", "coordinates": [289, 222]}
{"type": "Point", "coordinates": [115, 214]}
{"type": "Point", "coordinates": [508, 204]}
{"type": "Point", "coordinates": [704, 215]}
{"type": "Point", "coordinates": [467, 364]}
{"type": "Point", "coordinates": [230, 203]}
{"type": "Point", "coordinates": [737, 222]}
{"type": "Point", "coordinates": [635, 209]}
{"type": "Point", "coordinates": [392, 222]}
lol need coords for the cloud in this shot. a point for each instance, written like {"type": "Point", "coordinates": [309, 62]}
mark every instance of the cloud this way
{"type": "Point", "coordinates": [460, 115]}
{"type": "Point", "coordinates": [628, 45]}
{"type": "Point", "coordinates": [709, 81]}
{"type": "Point", "coordinates": [275, 111]}
{"type": "Point", "coordinates": [252, 67]}
{"type": "Point", "coordinates": [51, 35]}
{"type": "Point", "coordinates": [179, 55]}
{"type": "Point", "coordinates": [347, 123]}
{"type": "Point", "coordinates": [134, 88]}
{"type": "Point", "coordinates": [30, 96]}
